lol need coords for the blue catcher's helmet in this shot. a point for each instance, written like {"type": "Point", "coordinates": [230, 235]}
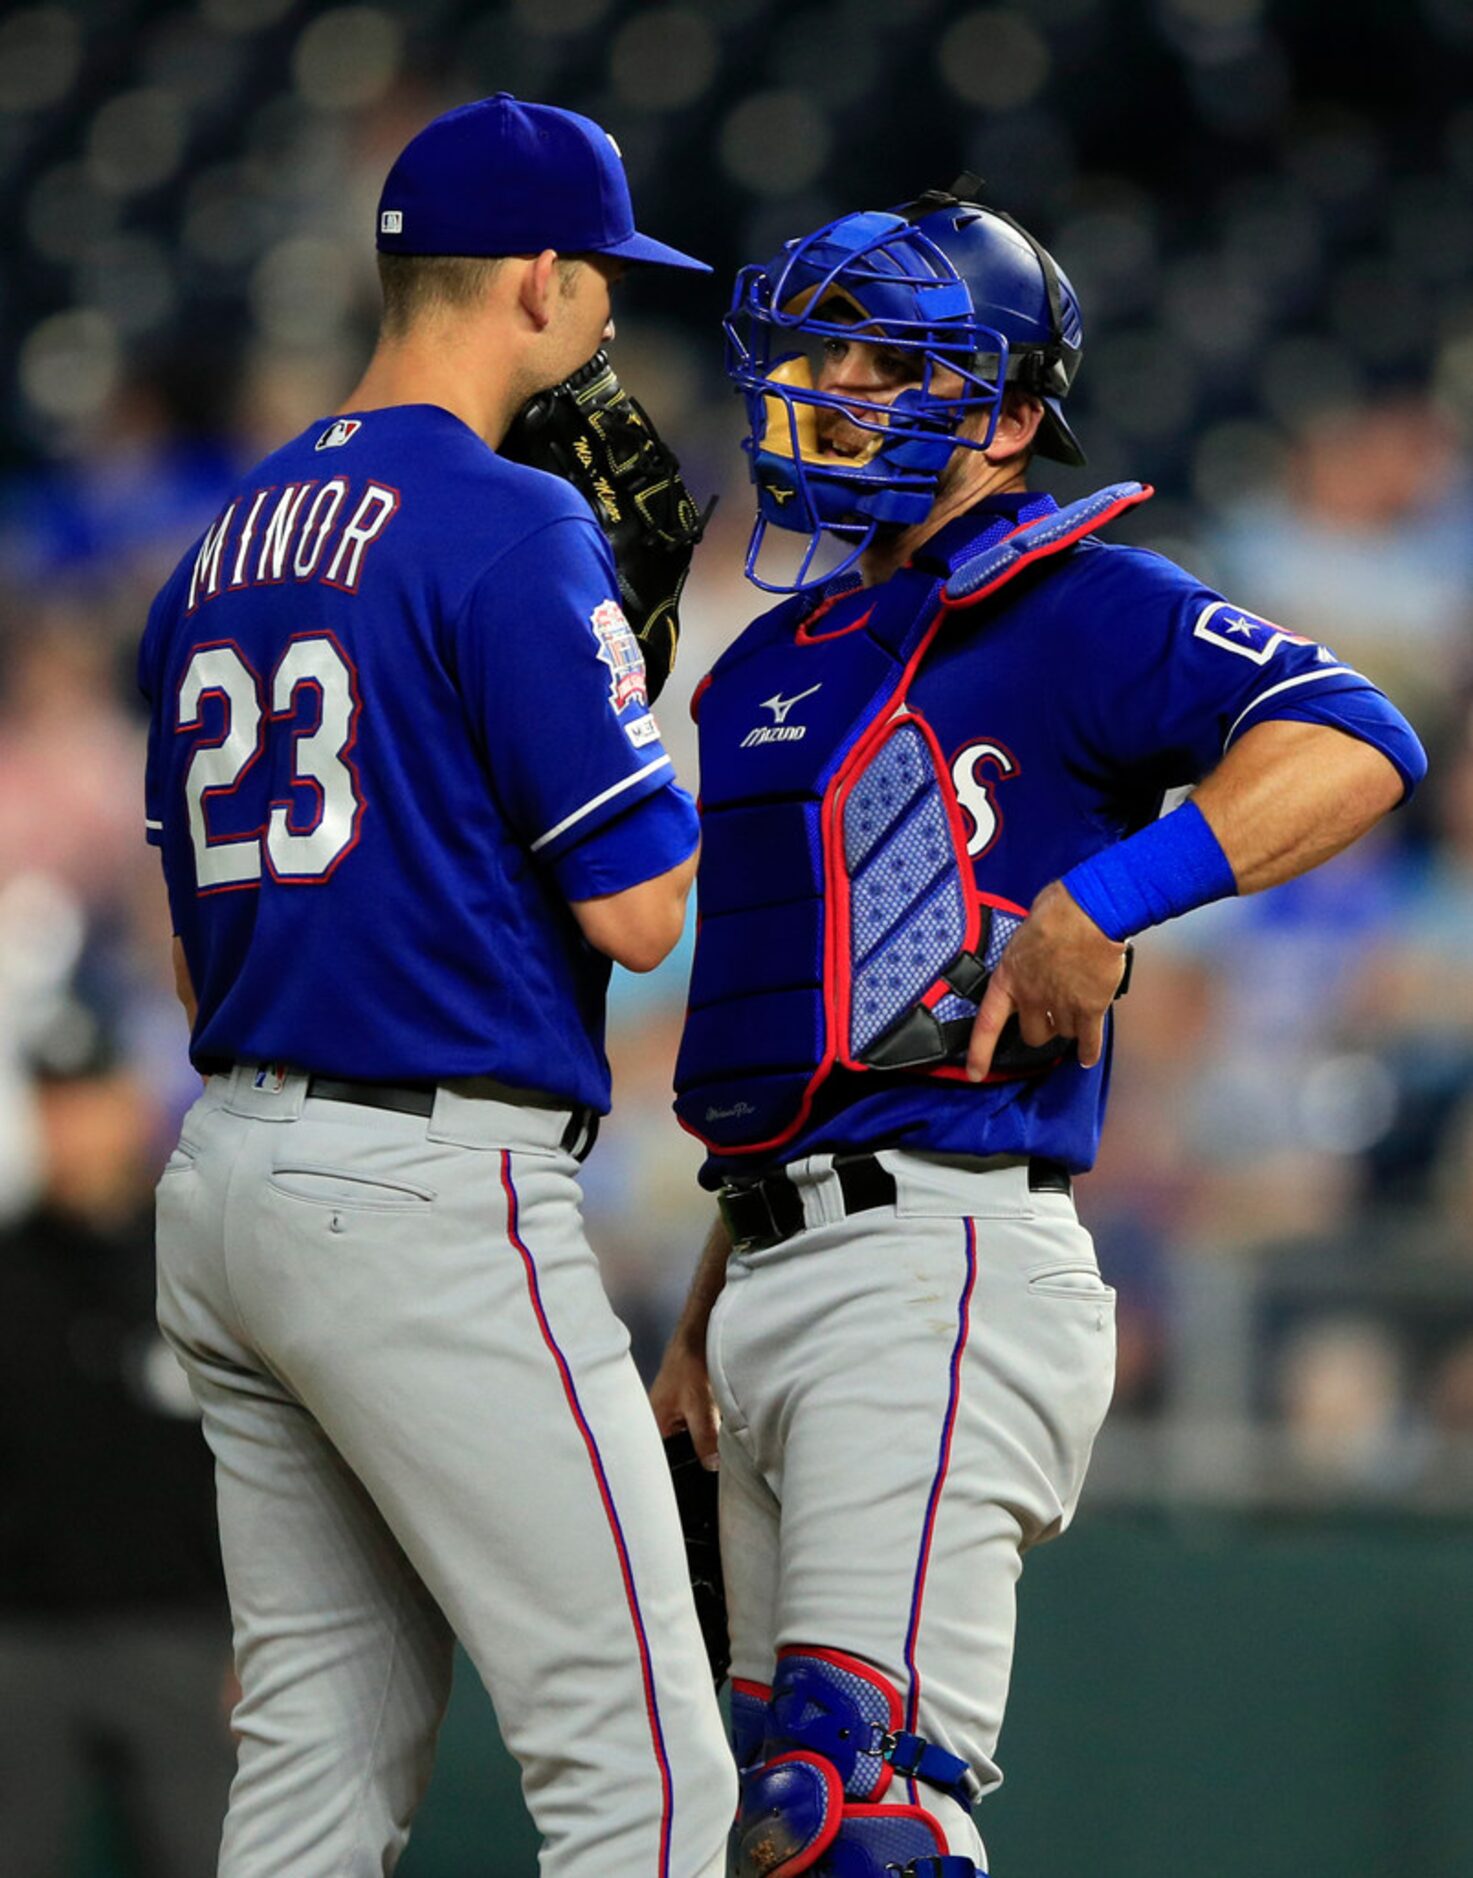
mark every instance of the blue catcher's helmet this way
{"type": "Point", "coordinates": [957, 287]}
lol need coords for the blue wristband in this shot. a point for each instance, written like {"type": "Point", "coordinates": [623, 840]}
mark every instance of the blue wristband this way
{"type": "Point", "coordinates": [1175, 864]}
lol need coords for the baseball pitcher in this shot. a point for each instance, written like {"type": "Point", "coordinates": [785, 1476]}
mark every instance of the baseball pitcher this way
{"type": "Point", "coordinates": [411, 803]}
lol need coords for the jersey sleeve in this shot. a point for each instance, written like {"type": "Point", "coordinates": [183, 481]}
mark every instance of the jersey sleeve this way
{"type": "Point", "coordinates": [553, 678]}
{"type": "Point", "coordinates": [649, 839]}
{"type": "Point", "coordinates": [1167, 675]}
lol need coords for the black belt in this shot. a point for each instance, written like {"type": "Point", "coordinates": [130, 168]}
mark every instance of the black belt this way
{"type": "Point", "coordinates": [765, 1212]}
{"type": "Point", "coordinates": [418, 1098]}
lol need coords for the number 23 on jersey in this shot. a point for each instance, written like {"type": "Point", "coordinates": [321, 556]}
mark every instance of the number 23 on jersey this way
{"type": "Point", "coordinates": [309, 829]}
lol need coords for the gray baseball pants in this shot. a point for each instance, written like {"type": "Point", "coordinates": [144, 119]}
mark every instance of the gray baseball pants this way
{"type": "Point", "coordinates": [426, 1425]}
{"type": "Point", "coordinates": [909, 1398]}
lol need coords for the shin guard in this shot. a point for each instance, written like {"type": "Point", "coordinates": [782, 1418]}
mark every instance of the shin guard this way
{"type": "Point", "coordinates": [811, 1800]}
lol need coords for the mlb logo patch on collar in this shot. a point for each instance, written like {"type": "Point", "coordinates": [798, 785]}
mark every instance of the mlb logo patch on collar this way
{"type": "Point", "coordinates": [342, 431]}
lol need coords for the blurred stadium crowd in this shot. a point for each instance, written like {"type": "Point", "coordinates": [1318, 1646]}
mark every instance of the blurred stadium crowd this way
{"type": "Point", "coordinates": [1270, 226]}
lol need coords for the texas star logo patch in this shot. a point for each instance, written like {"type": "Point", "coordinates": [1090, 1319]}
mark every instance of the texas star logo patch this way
{"type": "Point", "coordinates": [1250, 636]}
{"type": "Point", "coordinates": [619, 650]}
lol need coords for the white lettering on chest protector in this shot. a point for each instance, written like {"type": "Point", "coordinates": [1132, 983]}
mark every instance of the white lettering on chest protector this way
{"type": "Point", "coordinates": [779, 730]}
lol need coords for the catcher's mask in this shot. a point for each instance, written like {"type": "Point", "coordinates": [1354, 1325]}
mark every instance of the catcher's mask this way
{"type": "Point", "coordinates": [954, 295]}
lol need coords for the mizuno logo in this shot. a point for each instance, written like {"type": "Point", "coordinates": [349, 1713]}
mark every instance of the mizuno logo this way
{"type": "Point", "coordinates": [780, 706]}
{"type": "Point", "coordinates": [780, 730]}
{"type": "Point", "coordinates": [778, 493]}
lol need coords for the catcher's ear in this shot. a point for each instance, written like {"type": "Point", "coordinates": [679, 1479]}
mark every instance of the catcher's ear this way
{"type": "Point", "coordinates": [1017, 426]}
{"type": "Point", "coordinates": [538, 288]}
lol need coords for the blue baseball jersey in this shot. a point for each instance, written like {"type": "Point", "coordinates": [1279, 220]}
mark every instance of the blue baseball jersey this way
{"type": "Point", "coordinates": [1065, 712]}
{"type": "Point", "coordinates": [398, 722]}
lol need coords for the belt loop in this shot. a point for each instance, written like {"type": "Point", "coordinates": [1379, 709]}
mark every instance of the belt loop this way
{"type": "Point", "coordinates": [580, 1134]}
{"type": "Point", "coordinates": [1048, 1176]}
{"type": "Point", "coordinates": [765, 1212]}
{"type": "Point", "coordinates": [817, 1181]}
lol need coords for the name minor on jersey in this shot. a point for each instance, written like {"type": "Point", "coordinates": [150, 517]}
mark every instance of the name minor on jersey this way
{"type": "Point", "coordinates": [304, 531]}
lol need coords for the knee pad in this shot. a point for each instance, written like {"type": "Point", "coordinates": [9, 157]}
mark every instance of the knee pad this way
{"type": "Point", "coordinates": [811, 1798]}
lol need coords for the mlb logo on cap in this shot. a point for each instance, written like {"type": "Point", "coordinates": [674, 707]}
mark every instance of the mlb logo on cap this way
{"type": "Point", "coordinates": [391, 222]}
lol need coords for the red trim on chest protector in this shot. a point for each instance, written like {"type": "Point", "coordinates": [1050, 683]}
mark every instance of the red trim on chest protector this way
{"type": "Point", "coordinates": [806, 636]}
{"type": "Point", "coordinates": [1044, 548]}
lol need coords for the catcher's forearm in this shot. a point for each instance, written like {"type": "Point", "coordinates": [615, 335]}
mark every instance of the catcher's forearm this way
{"type": "Point", "coordinates": [1288, 795]}
{"type": "Point", "coordinates": [705, 1287]}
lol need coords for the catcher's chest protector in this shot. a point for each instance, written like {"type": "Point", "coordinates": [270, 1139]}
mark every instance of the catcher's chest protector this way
{"type": "Point", "coordinates": [840, 924]}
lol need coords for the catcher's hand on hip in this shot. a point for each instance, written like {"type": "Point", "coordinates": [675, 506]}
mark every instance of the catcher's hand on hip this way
{"type": "Point", "coordinates": [589, 431]}
{"type": "Point", "coordinates": [1059, 973]}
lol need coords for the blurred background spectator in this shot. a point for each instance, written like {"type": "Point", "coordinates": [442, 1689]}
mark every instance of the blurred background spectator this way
{"type": "Point", "coordinates": [1267, 209]}
{"type": "Point", "coordinates": [114, 1643]}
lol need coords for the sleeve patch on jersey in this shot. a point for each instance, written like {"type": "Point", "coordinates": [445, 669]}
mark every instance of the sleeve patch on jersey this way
{"type": "Point", "coordinates": [619, 650]}
{"type": "Point", "coordinates": [642, 730]}
{"type": "Point", "coordinates": [1247, 634]}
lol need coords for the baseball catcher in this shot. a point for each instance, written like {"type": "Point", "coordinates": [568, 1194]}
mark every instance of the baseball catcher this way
{"type": "Point", "coordinates": [932, 778]}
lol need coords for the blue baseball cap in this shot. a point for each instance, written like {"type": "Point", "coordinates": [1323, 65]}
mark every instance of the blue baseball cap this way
{"type": "Point", "coordinates": [503, 177]}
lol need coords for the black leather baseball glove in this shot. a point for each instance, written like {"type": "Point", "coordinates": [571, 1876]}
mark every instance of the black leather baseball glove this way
{"type": "Point", "coordinates": [589, 431]}
{"type": "Point", "coordinates": [695, 1496]}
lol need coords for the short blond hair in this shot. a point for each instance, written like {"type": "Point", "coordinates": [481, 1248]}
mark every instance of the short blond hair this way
{"type": "Point", "coordinates": [417, 284]}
